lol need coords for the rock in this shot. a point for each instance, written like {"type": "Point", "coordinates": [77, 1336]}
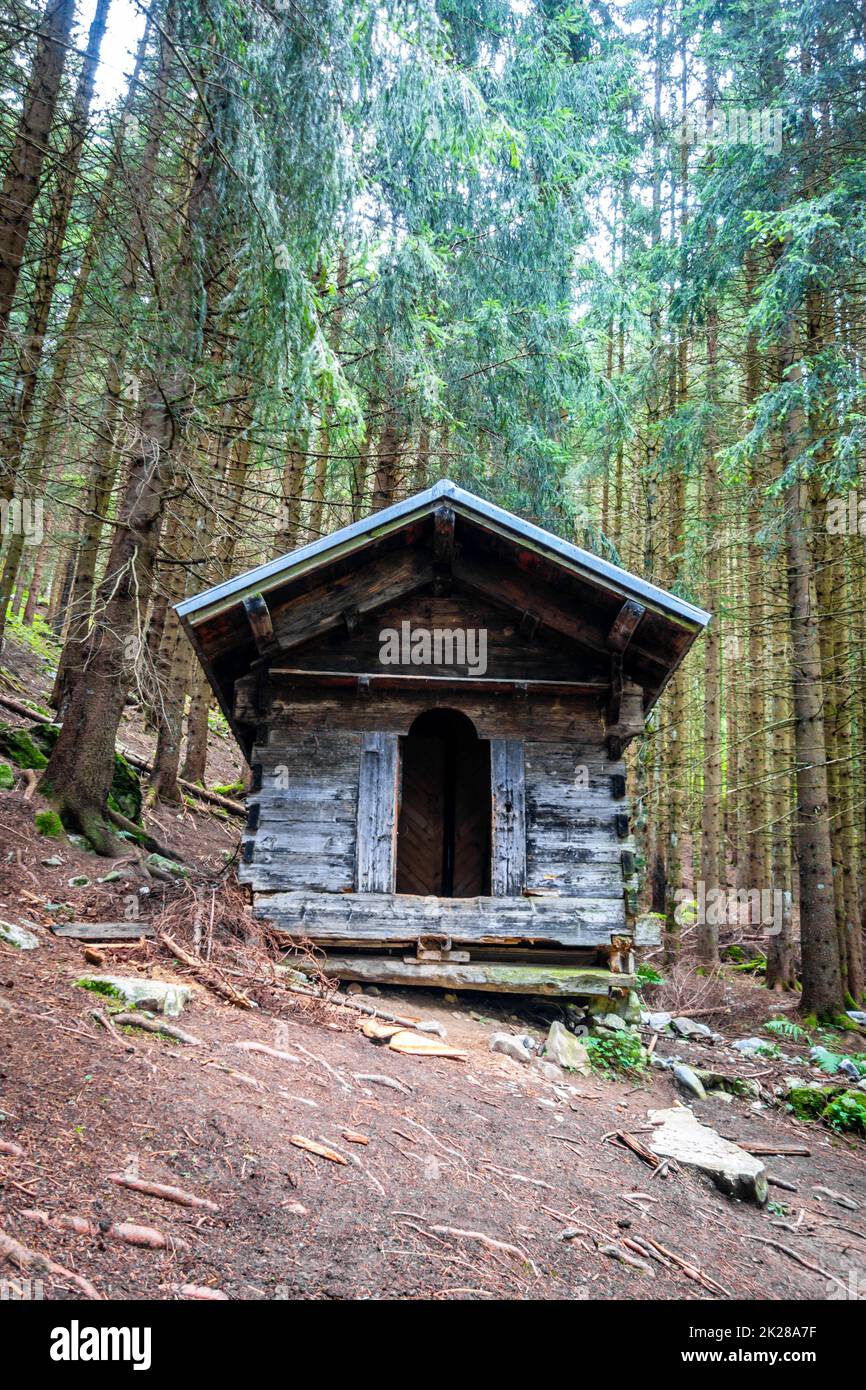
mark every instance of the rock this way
{"type": "Point", "coordinates": [79, 841]}
{"type": "Point", "coordinates": [549, 1070]}
{"type": "Point", "coordinates": [679, 1135]}
{"type": "Point", "coordinates": [717, 1082]}
{"type": "Point", "coordinates": [857, 1016]}
{"type": "Point", "coordinates": [354, 988]}
{"type": "Point", "coordinates": [847, 1068]}
{"type": "Point", "coordinates": [610, 1023]}
{"type": "Point", "coordinates": [566, 1050]}
{"type": "Point", "coordinates": [18, 936]}
{"type": "Point", "coordinates": [7, 778]}
{"type": "Point", "coordinates": [450, 999]}
{"type": "Point", "coordinates": [513, 1045]}
{"type": "Point", "coordinates": [167, 866]}
{"type": "Point", "coordinates": [53, 862]}
{"type": "Point", "coordinates": [721, 1095]}
{"type": "Point", "coordinates": [686, 1078]}
{"type": "Point", "coordinates": [158, 994]}
{"type": "Point", "coordinates": [689, 1028]}
{"type": "Point", "coordinates": [750, 1047]}
{"type": "Point", "coordinates": [113, 877]}
{"type": "Point", "coordinates": [657, 1021]}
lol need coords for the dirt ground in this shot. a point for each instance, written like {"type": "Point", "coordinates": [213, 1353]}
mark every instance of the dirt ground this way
{"type": "Point", "coordinates": [455, 1149]}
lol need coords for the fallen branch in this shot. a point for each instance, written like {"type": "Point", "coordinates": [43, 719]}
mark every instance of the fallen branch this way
{"type": "Point", "coordinates": [489, 1243]}
{"type": "Point", "coordinates": [798, 1258]}
{"type": "Point", "coordinates": [207, 974]}
{"type": "Point", "coordinates": [157, 1025]}
{"type": "Point", "coordinates": [102, 1017]}
{"type": "Point", "coordinates": [376, 1080]}
{"type": "Point", "coordinates": [321, 1150]}
{"type": "Point", "coordinates": [163, 1190]}
{"type": "Point", "coordinates": [32, 1261]}
{"type": "Point", "coordinates": [127, 1231]}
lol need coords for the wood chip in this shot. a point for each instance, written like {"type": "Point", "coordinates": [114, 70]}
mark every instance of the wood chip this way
{"type": "Point", "coordinates": [419, 1045]}
{"type": "Point", "coordinates": [312, 1147]}
{"type": "Point", "coordinates": [353, 1137]}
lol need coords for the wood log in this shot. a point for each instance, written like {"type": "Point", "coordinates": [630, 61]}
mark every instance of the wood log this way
{"type": "Point", "coordinates": [515, 979]}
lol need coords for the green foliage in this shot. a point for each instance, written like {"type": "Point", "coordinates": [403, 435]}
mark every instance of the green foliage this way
{"type": "Point", "coordinates": [785, 1028]}
{"type": "Point", "coordinates": [621, 1052]}
{"type": "Point", "coordinates": [646, 975]}
{"type": "Point", "coordinates": [847, 1113]}
{"type": "Point", "coordinates": [7, 778]}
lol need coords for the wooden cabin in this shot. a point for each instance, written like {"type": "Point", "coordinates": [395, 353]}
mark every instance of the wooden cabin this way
{"type": "Point", "coordinates": [434, 703]}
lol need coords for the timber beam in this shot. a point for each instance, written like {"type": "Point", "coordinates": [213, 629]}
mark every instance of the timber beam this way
{"type": "Point", "coordinates": [259, 619]}
{"type": "Point", "coordinates": [625, 625]}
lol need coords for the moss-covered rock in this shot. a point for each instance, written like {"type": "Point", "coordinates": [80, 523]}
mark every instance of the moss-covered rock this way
{"type": "Point", "coordinates": [7, 778]}
{"type": "Point", "coordinates": [49, 823]}
{"type": "Point", "coordinates": [21, 747]}
{"type": "Point", "coordinates": [810, 1102]}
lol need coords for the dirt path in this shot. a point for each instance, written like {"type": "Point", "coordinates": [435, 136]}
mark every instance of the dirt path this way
{"type": "Point", "coordinates": [484, 1145]}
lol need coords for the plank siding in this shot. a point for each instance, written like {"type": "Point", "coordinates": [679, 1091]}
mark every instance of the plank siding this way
{"type": "Point", "coordinates": [377, 813]}
{"type": "Point", "coordinates": [507, 784]}
{"type": "Point", "coordinates": [306, 832]}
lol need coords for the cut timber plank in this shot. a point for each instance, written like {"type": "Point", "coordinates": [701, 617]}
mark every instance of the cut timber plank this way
{"type": "Point", "coordinates": [508, 787]}
{"type": "Point", "coordinates": [401, 917]}
{"type": "Point", "coordinates": [103, 931]}
{"type": "Point", "coordinates": [377, 813]}
{"type": "Point", "coordinates": [513, 979]}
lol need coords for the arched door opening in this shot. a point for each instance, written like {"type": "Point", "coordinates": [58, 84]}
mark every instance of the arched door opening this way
{"type": "Point", "coordinates": [443, 829]}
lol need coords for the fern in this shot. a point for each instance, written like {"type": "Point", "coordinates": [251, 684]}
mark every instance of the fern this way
{"type": "Point", "coordinates": [784, 1028]}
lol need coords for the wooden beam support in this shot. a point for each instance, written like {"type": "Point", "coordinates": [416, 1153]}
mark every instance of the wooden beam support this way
{"type": "Point", "coordinates": [259, 619]}
{"type": "Point", "coordinates": [443, 536]}
{"type": "Point", "coordinates": [624, 625]}
{"type": "Point", "coordinates": [529, 624]}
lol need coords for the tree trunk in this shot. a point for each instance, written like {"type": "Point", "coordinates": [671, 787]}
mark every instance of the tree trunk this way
{"type": "Point", "coordinates": [23, 173]}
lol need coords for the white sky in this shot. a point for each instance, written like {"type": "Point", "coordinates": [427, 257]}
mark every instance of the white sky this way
{"type": "Point", "coordinates": [123, 31]}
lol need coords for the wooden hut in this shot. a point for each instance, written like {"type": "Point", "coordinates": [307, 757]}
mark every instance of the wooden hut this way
{"type": "Point", "coordinates": [434, 703]}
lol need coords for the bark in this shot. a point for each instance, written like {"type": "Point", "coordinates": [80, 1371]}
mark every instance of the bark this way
{"type": "Point", "coordinates": [822, 977]}
{"type": "Point", "coordinates": [23, 173]}
{"type": "Point", "coordinates": [80, 770]}
{"type": "Point", "coordinates": [40, 310]}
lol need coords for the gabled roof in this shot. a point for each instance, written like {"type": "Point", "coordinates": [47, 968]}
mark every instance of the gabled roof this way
{"type": "Point", "coordinates": [359, 533]}
{"type": "Point", "coordinates": [509, 561]}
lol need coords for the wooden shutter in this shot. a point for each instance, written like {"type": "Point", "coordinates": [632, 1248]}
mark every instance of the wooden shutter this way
{"type": "Point", "coordinates": [508, 788]}
{"type": "Point", "coordinates": [377, 813]}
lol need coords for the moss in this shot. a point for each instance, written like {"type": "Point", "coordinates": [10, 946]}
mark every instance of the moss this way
{"type": "Point", "coordinates": [809, 1102]}
{"type": "Point", "coordinates": [735, 953]}
{"type": "Point", "coordinates": [102, 987]}
{"type": "Point", "coordinates": [21, 747]}
{"type": "Point", "coordinates": [125, 794]}
{"type": "Point", "coordinates": [229, 789]}
{"type": "Point", "coordinates": [49, 823]}
{"type": "Point", "coordinates": [7, 778]}
{"type": "Point", "coordinates": [846, 1113]}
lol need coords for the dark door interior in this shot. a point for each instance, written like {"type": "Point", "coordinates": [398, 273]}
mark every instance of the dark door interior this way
{"type": "Point", "coordinates": [443, 830]}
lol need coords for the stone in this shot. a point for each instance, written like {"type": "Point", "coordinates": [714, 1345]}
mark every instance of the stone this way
{"type": "Point", "coordinates": [690, 1028]}
{"type": "Point", "coordinates": [718, 1083]}
{"type": "Point", "coordinates": [857, 1016]}
{"type": "Point", "coordinates": [513, 1045]}
{"type": "Point", "coordinates": [354, 988]}
{"type": "Point", "coordinates": [680, 1136]}
{"type": "Point", "coordinates": [609, 1023]}
{"type": "Point", "coordinates": [688, 1080]}
{"type": "Point", "coordinates": [53, 862]}
{"type": "Point", "coordinates": [549, 1070]}
{"type": "Point", "coordinates": [167, 866]}
{"type": "Point", "coordinates": [750, 1047]}
{"type": "Point", "coordinates": [657, 1021]}
{"type": "Point", "coordinates": [566, 1050]}
{"type": "Point", "coordinates": [17, 936]}
{"type": "Point", "coordinates": [158, 994]}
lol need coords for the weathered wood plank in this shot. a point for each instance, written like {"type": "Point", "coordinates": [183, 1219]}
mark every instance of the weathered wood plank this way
{"type": "Point", "coordinates": [377, 813]}
{"type": "Point", "coordinates": [562, 980]}
{"type": "Point", "coordinates": [401, 917]}
{"type": "Point", "coordinates": [508, 847]}
{"type": "Point", "coordinates": [103, 931]}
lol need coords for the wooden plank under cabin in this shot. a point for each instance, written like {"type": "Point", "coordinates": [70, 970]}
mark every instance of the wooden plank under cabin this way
{"type": "Point", "coordinates": [508, 850]}
{"type": "Point", "coordinates": [377, 813]}
{"type": "Point", "coordinates": [521, 978]}
{"type": "Point", "coordinates": [392, 918]}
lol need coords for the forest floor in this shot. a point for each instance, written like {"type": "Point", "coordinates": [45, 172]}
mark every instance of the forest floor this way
{"type": "Point", "coordinates": [454, 1147]}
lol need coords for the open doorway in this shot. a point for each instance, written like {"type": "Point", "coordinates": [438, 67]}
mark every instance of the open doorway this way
{"type": "Point", "coordinates": [443, 830]}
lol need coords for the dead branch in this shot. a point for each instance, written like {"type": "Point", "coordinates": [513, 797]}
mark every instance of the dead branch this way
{"type": "Point", "coordinates": [163, 1190]}
{"type": "Point", "coordinates": [207, 974]}
{"type": "Point", "coordinates": [32, 1261]}
{"type": "Point", "coordinates": [157, 1025]}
